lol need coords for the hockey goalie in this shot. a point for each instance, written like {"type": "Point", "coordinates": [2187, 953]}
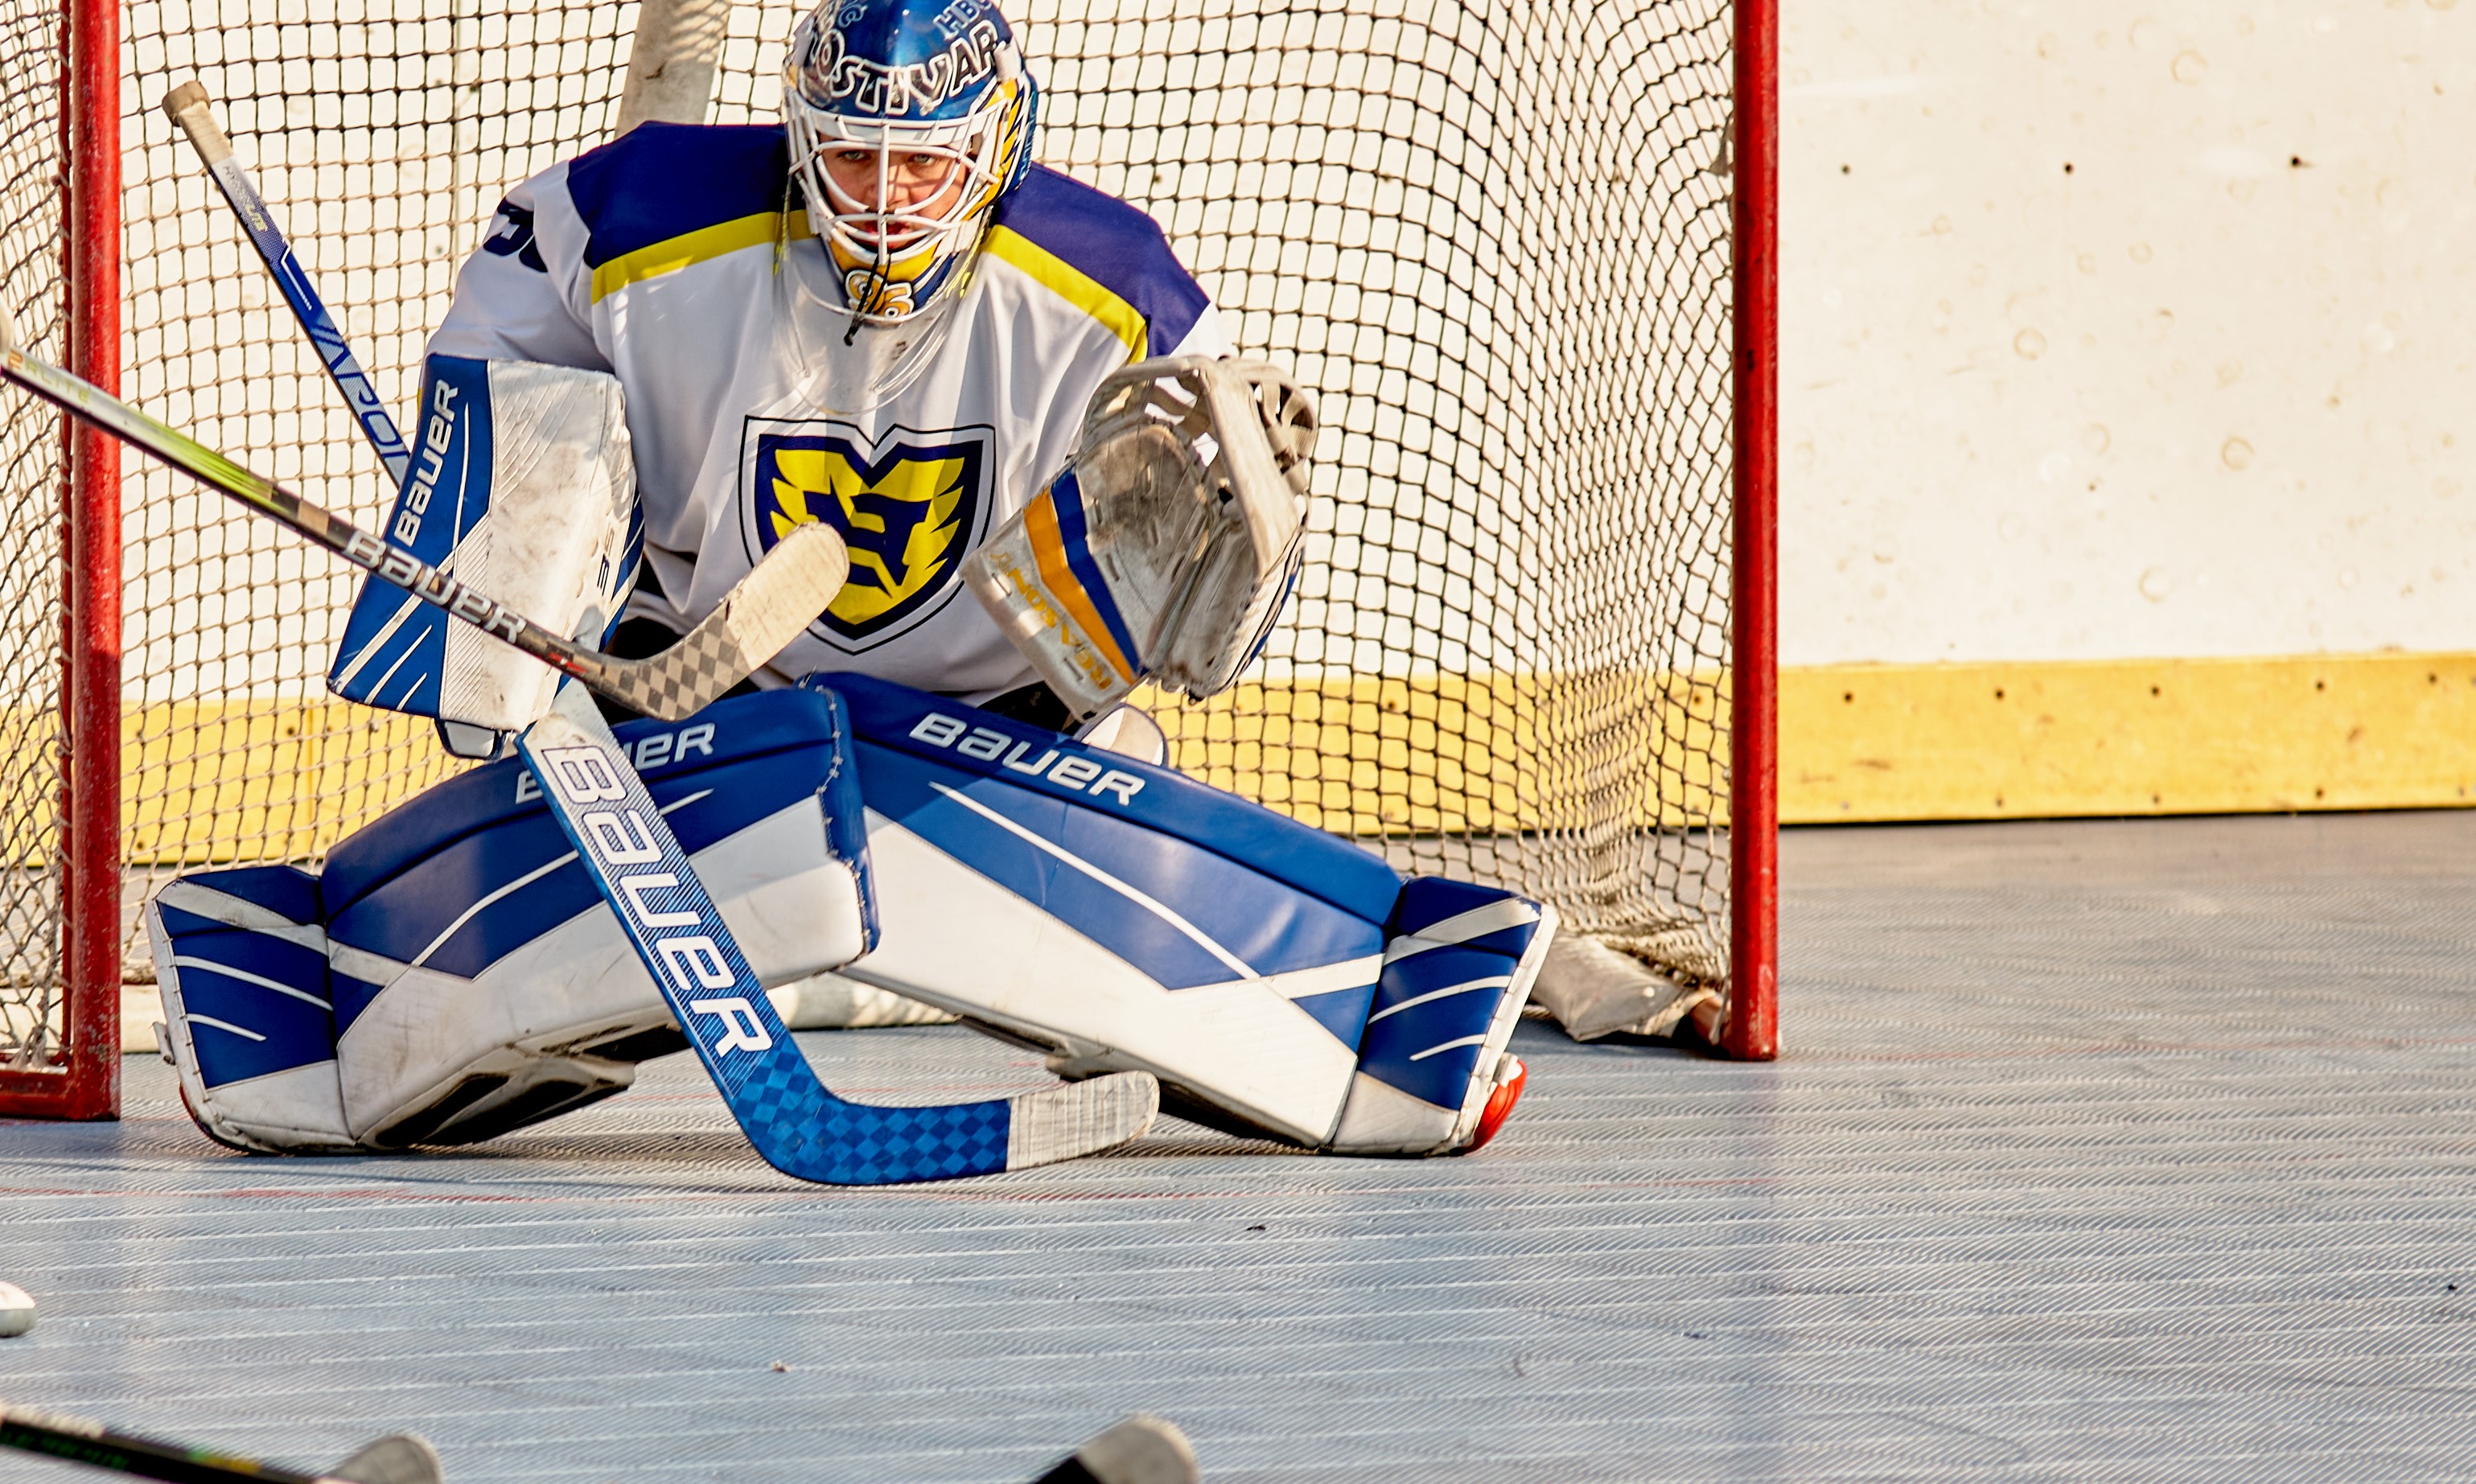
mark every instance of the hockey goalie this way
{"type": "Point", "coordinates": [1056, 483]}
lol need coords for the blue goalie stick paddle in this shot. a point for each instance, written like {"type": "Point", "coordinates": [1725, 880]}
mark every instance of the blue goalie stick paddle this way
{"type": "Point", "coordinates": [794, 1123]}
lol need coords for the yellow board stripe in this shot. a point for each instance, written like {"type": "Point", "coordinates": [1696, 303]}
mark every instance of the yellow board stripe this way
{"type": "Point", "coordinates": [2056, 738]}
{"type": "Point", "coordinates": [1049, 553]}
{"type": "Point", "coordinates": [1074, 286]}
{"type": "Point", "coordinates": [285, 778]}
{"type": "Point", "coordinates": [688, 249]}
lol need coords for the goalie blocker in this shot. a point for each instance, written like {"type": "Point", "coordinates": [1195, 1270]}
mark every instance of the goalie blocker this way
{"type": "Point", "coordinates": [451, 975]}
{"type": "Point", "coordinates": [522, 483]}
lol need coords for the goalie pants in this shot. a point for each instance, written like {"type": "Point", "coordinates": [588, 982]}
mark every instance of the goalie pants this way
{"type": "Point", "coordinates": [449, 975]}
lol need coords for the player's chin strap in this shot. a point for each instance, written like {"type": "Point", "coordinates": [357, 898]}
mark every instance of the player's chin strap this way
{"type": "Point", "coordinates": [1165, 550]}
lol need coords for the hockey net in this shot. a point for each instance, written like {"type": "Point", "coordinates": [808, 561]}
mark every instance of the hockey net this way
{"type": "Point", "coordinates": [1494, 236]}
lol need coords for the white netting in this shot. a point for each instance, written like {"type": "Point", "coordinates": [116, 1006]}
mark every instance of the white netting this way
{"type": "Point", "coordinates": [1493, 236]}
{"type": "Point", "coordinates": [32, 220]}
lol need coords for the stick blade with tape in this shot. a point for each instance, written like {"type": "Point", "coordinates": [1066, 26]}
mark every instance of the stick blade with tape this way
{"type": "Point", "coordinates": [398, 1458]}
{"type": "Point", "coordinates": [1142, 1450]}
{"type": "Point", "coordinates": [783, 595]}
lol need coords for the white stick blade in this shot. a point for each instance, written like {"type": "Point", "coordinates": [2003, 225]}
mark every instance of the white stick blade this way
{"type": "Point", "coordinates": [1142, 1450]}
{"type": "Point", "coordinates": [1066, 1123]}
{"type": "Point", "coordinates": [789, 589]}
{"type": "Point", "coordinates": [671, 63]}
{"type": "Point", "coordinates": [767, 610]}
{"type": "Point", "coordinates": [398, 1458]}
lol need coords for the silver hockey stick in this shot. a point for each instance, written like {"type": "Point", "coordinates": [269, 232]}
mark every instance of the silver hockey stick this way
{"type": "Point", "coordinates": [766, 612]}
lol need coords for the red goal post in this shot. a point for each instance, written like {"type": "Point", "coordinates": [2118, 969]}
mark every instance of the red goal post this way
{"type": "Point", "coordinates": [1522, 249]}
{"type": "Point", "coordinates": [60, 1004]}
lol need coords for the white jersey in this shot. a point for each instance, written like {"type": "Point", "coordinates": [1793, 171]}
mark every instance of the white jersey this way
{"type": "Point", "coordinates": [654, 258]}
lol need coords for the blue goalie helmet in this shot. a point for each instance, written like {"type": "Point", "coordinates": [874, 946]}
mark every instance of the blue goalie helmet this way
{"type": "Point", "coordinates": [909, 121]}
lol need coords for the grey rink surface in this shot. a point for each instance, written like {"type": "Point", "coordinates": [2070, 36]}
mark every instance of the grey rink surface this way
{"type": "Point", "coordinates": [2101, 1151]}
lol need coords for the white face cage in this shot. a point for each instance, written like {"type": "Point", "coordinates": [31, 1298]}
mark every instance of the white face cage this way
{"type": "Point", "coordinates": [894, 255]}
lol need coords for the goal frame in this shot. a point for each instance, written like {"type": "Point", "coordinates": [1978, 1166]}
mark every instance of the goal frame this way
{"type": "Point", "coordinates": [84, 1083]}
{"type": "Point", "coordinates": [1751, 1031]}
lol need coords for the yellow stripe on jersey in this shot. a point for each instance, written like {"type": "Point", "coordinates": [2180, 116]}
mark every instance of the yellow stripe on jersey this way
{"type": "Point", "coordinates": [690, 248]}
{"type": "Point", "coordinates": [1072, 284]}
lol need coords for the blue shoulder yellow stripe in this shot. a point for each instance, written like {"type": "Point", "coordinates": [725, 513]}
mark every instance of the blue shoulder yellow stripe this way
{"type": "Point", "coordinates": [664, 196]}
{"type": "Point", "coordinates": [1101, 254]}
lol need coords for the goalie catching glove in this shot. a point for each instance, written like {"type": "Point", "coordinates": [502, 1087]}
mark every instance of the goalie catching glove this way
{"type": "Point", "coordinates": [1164, 550]}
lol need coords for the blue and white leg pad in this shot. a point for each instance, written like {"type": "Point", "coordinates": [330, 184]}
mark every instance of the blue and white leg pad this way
{"type": "Point", "coordinates": [1128, 918]}
{"type": "Point", "coordinates": [240, 957]}
{"type": "Point", "coordinates": [1459, 961]}
{"type": "Point", "coordinates": [452, 973]}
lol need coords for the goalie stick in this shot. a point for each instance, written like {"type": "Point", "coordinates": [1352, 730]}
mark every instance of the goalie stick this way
{"type": "Point", "coordinates": [402, 1458]}
{"type": "Point", "coordinates": [186, 105]}
{"type": "Point", "coordinates": [783, 595]}
{"type": "Point", "coordinates": [1139, 1450]}
{"type": "Point", "coordinates": [790, 1118]}
{"type": "Point", "coordinates": [192, 111]}
{"type": "Point", "coordinates": [793, 1122]}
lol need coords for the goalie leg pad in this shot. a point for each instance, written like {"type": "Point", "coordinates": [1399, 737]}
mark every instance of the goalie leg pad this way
{"type": "Point", "coordinates": [240, 958]}
{"type": "Point", "coordinates": [481, 983]}
{"type": "Point", "coordinates": [463, 975]}
{"type": "Point", "coordinates": [1118, 914]}
{"type": "Point", "coordinates": [1458, 965]}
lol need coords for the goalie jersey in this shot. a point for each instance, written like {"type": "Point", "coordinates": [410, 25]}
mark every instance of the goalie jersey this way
{"type": "Point", "coordinates": [679, 259]}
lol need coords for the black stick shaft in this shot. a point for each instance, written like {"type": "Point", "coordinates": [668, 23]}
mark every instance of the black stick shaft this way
{"type": "Point", "coordinates": [393, 564]}
{"type": "Point", "coordinates": [96, 1446]}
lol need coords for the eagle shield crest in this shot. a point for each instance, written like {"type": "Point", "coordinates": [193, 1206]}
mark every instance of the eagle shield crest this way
{"type": "Point", "coordinates": [910, 505]}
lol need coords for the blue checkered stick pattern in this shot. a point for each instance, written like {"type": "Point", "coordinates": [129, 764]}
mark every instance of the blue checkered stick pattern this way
{"type": "Point", "coordinates": [799, 1127]}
